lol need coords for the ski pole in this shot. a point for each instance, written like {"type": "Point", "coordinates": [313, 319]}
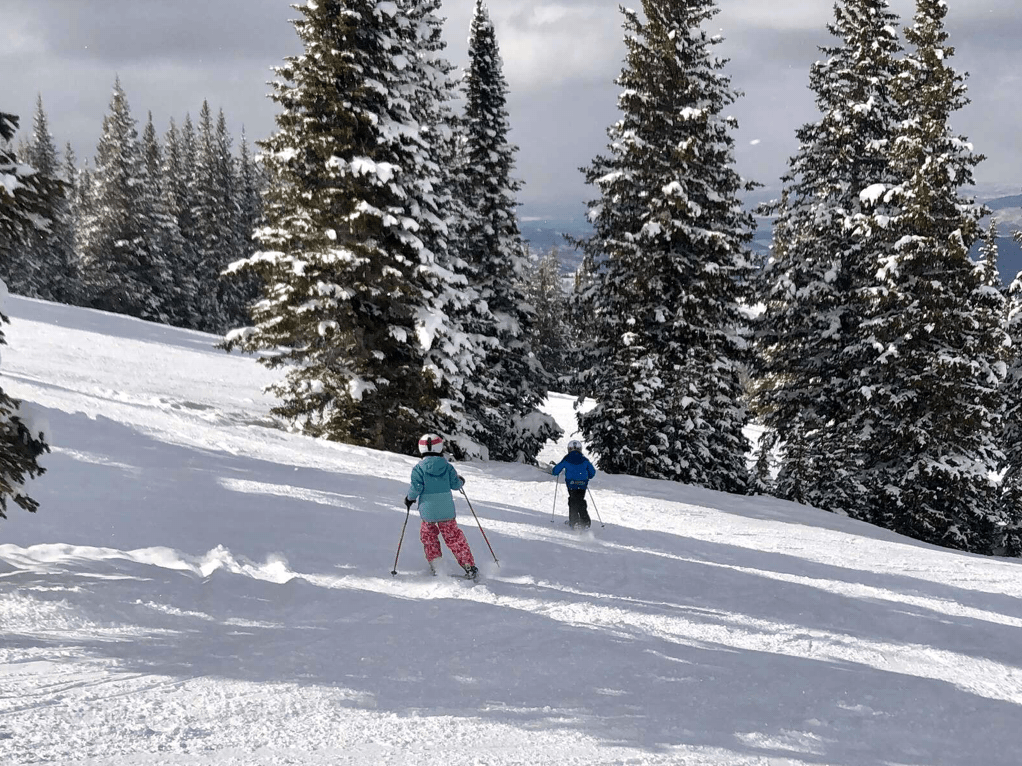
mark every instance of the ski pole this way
{"type": "Point", "coordinates": [409, 513]}
{"type": "Point", "coordinates": [594, 507]}
{"type": "Point", "coordinates": [480, 527]}
{"type": "Point", "coordinates": [553, 511]}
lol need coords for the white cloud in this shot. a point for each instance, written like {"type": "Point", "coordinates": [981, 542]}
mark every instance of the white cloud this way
{"type": "Point", "coordinates": [19, 38]}
{"type": "Point", "coordinates": [550, 43]}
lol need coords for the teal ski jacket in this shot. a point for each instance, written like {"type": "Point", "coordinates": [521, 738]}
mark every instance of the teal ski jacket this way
{"type": "Point", "coordinates": [433, 482]}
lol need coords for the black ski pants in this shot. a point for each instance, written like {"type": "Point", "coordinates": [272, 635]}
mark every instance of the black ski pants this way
{"type": "Point", "coordinates": [578, 509]}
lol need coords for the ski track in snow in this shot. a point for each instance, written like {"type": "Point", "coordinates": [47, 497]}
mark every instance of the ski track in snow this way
{"type": "Point", "coordinates": [202, 587]}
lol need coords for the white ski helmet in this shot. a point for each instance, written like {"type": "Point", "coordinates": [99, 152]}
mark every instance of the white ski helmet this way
{"type": "Point", "coordinates": [431, 444]}
{"type": "Point", "coordinates": [574, 446]}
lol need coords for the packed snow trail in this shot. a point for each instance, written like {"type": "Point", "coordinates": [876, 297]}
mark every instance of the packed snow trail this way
{"type": "Point", "coordinates": [201, 587]}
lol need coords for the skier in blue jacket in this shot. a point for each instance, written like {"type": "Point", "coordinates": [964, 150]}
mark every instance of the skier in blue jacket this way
{"type": "Point", "coordinates": [577, 473]}
{"type": "Point", "coordinates": [433, 482]}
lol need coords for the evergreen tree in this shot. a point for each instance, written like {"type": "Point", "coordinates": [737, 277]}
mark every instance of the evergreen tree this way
{"type": "Point", "coordinates": [243, 290]}
{"type": "Point", "coordinates": [22, 206]}
{"type": "Point", "coordinates": [551, 336]}
{"type": "Point", "coordinates": [580, 316]}
{"type": "Point", "coordinates": [215, 216]}
{"type": "Point", "coordinates": [827, 241]}
{"type": "Point", "coordinates": [342, 267]}
{"type": "Point", "coordinates": [1010, 437]}
{"type": "Point", "coordinates": [931, 397]}
{"type": "Point", "coordinates": [452, 345]}
{"type": "Point", "coordinates": [510, 383]}
{"type": "Point", "coordinates": [20, 443]}
{"type": "Point", "coordinates": [121, 270]}
{"type": "Point", "coordinates": [763, 472]}
{"type": "Point", "coordinates": [177, 193]}
{"type": "Point", "coordinates": [77, 183]}
{"type": "Point", "coordinates": [56, 276]}
{"type": "Point", "coordinates": [158, 208]}
{"type": "Point", "coordinates": [673, 240]}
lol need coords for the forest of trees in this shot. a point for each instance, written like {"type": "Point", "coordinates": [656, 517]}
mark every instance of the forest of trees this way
{"type": "Point", "coordinates": [371, 243]}
{"type": "Point", "coordinates": [147, 227]}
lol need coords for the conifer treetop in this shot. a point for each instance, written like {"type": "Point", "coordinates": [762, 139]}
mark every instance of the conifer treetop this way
{"type": "Point", "coordinates": [671, 259]}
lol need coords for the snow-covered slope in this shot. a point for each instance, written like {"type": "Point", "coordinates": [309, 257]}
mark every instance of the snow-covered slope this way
{"type": "Point", "coordinates": [201, 587]}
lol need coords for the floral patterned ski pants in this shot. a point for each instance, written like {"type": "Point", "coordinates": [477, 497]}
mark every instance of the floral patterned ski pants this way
{"type": "Point", "coordinates": [430, 533]}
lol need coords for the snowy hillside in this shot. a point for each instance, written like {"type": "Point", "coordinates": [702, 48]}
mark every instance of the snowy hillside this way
{"type": "Point", "coordinates": [200, 587]}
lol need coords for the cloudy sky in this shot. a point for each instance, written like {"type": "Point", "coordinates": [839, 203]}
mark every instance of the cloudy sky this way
{"type": "Point", "coordinates": [560, 57]}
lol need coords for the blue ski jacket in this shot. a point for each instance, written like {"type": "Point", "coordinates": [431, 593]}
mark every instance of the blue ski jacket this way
{"type": "Point", "coordinates": [433, 480]}
{"type": "Point", "coordinates": [577, 470]}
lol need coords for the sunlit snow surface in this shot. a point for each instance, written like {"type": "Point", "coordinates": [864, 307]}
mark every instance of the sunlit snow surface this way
{"type": "Point", "coordinates": [202, 588]}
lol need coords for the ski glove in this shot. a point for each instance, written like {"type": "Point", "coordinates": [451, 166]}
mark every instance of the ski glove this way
{"type": "Point", "coordinates": [461, 479]}
{"type": "Point", "coordinates": [408, 503]}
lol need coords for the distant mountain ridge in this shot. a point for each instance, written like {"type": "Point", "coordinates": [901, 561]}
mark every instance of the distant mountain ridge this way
{"type": "Point", "coordinates": [544, 234]}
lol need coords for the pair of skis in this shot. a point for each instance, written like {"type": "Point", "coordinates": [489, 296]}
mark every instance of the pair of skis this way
{"type": "Point", "coordinates": [553, 512]}
{"type": "Point", "coordinates": [473, 576]}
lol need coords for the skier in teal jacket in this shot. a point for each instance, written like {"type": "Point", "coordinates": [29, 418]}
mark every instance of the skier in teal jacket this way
{"type": "Point", "coordinates": [433, 482]}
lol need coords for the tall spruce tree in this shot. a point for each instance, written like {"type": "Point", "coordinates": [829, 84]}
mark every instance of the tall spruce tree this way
{"type": "Point", "coordinates": [827, 242]}
{"type": "Point", "coordinates": [1011, 423]}
{"type": "Point", "coordinates": [551, 335]}
{"type": "Point", "coordinates": [178, 194]}
{"type": "Point", "coordinates": [158, 207]}
{"type": "Point", "coordinates": [510, 382]}
{"type": "Point", "coordinates": [930, 401]}
{"type": "Point", "coordinates": [56, 273]}
{"type": "Point", "coordinates": [77, 179]}
{"type": "Point", "coordinates": [580, 315]}
{"type": "Point", "coordinates": [673, 239]}
{"type": "Point", "coordinates": [451, 351]}
{"type": "Point", "coordinates": [215, 213]}
{"type": "Point", "coordinates": [342, 267]}
{"type": "Point", "coordinates": [121, 270]}
{"type": "Point", "coordinates": [22, 209]}
{"type": "Point", "coordinates": [242, 291]}
{"type": "Point", "coordinates": [20, 443]}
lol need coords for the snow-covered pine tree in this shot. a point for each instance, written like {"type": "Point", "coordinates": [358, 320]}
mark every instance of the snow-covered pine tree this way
{"type": "Point", "coordinates": [164, 234]}
{"type": "Point", "coordinates": [215, 214]}
{"type": "Point", "coordinates": [341, 265]}
{"type": "Point", "coordinates": [242, 291]}
{"type": "Point", "coordinates": [1010, 437]}
{"type": "Point", "coordinates": [826, 246]}
{"type": "Point", "coordinates": [990, 260]}
{"type": "Point", "coordinates": [551, 336]}
{"type": "Point", "coordinates": [22, 209]}
{"type": "Point", "coordinates": [673, 239]}
{"type": "Point", "coordinates": [21, 443]}
{"type": "Point", "coordinates": [452, 353]}
{"type": "Point", "coordinates": [931, 397]}
{"type": "Point", "coordinates": [510, 383]}
{"type": "Point", "coordinates": [77, 181]}
{"type": "Point", "coordinates": [580, 315]}
{"type": "Point", "coordinates": [763, 472]}
{"type": "Point", "coordinates": [53, 249]}
{"type": "Point", "coordinates": [120, 270]}
{"type": "Point", "coordinates": [177, 193]}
